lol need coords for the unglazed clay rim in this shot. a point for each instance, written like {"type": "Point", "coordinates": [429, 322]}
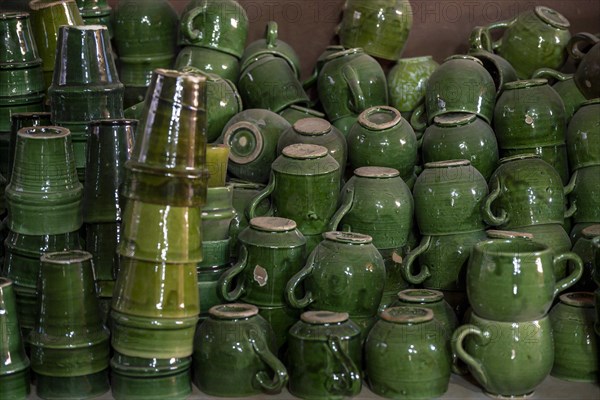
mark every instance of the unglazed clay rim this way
{"type": "Point", "coordinates": [425, 315]}
{"type": "Point", "coordinates": [525, 83]}
{"type": "Point", "coordinates": [342, 53]}
{"type": "Point", "coordinates": [86, 27]}
{"type": "Point", "coordinates": [516, 157]}
{"type": "Point", "coordinates": [376, 172]}
{"type": "Point", "coordinates": [447, 164]}
{"type": "Point", "coordinates": [37, 5]}
{"type": "Point", "coordinates": [312, 126]}
{"type": "Point", "coordinates": [66, 257]}
{"type": "Point", "coordinates": [552, 17]}
{"type": "Point", "coordinates": [324, 317]}
{"type": "Point", "coordinates": [591, 232]}
{"type": "Point", "coordinates": [45, 132]}
{"type": "Point", "coordinates": [5, 282]}
{"type": "Point", "coordinates": [463, 57]}
{"type": "Point", "coordinates": [454, 119]}
{"type": "Point", "coordinates": [307, 111]}
{"type": "Point", "coordinates": [421, 295]}
{"type": "Point", "coordinates": [348, 237]}
{"type": "Point", "coordinates": [255, 131]}
{"type": "Point", "coordinates": [578, 299]}
{"type": "Point", "coordinates": [238, 311]}
{"type": "Point", "coordinates": [302, 151]}
{"type": "Point", "coordinates": [533, 248]}
{"type": "Point", "coordinates": [364, 120]}
{"type": "Point", "coordinates": [273, 224]}
{"type": "Point", "coordinates": [13, 15]}
{"type": "Point", "coordinates": [500, 234]}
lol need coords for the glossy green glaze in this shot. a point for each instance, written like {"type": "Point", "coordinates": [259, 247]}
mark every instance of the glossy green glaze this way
{"type": "Point", "coordinates": [460, 84]}
{"type": "Point", "coordinates": [19, 121]}
{"type": "Point", "coordinates": [461, 136]}
{"type": "Point", "coordinates": [215, 24]}
{"type": "Point", "coordinates": [15, 386]}
{"type": "Point", "coordinates": [238, 365]}
{"type": "Point", "coordinates": [376, 202]}
{"type": "Point", "coordinates": [586, 76]}
{"type": "Point", "coordinates": [501, 70]}
{"type": "Point", "coordinates": [406, 356]}
{"type": "Point", "coordinates": [211, 61]}
{"type": "Point", "coordinates": [218, 213]}
{"type": "Point", "coordinates": [217, 158]}
{"type": "Point", "coordinates": [325, 356]}
{"type": "Point", "coordinates": [44, 196]}
{"type": "Point", "coordinates": [525, 190]}
{"type": "Point", "coordinates": [577, 231]}
{"type": "Point", "coordinates": [27, 310]}
{"type": "Point", "coordinates": [381, 27]}
{"type": "Point", "coordinates": [243, 194]}
{"type": "Point", "coordinates": [294, 113]}
{"type": "Point", "coordinates": [583, 136]}
{"type": "Point", "coordinates": [102, 241]}
{"type": "Point", "coordinates": [96, 12]}
{"type": "Point", "coordinates": [575, 343]}
{"type": "Point", "coordinates": [10, 106]}
{"type": "Point", "coordinates": [565, 87]}
{"type": "Point", "coordinates": [513, 279]}
{"type": "Point", "coordinates": [208, 288]}
{"type": "Point", "coordinates": [215, 254]}
{"type": "Point", "coordinates": [382, 138]}
{"type": "Point", "coordinates": [584, 248]}
{"type": "Point", "coordinates": [344, 273]}
{"type": "Point", "coordinates": [508, 359]}
{"type": "Point", "coordinates": [442, 260]}
{"type": "Point", "coordinates": [272, 251]}
{"type": "Point", "coordinates": [553, 155]}
{"type": "Point", "coordinates": [281, 319]}
{"type": "Point", "coordinates": [253, 135]}
{"type": "Point", "coordinates": [304, 187]}
{"type": "Point", "coordinates": [407, 80]}
{"type": "Point", "coordinates": [312, 80]}
{"type": "Point", "coordinates": [394, 281]}
{"type": "Point", "coordinates": [586, 195]}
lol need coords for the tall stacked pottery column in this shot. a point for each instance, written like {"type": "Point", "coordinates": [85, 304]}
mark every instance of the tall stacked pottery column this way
{"type": "Point", "coordinates": [155, 304]}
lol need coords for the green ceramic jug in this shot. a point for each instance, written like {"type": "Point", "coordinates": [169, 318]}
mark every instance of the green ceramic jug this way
{"type": "Point", "coordinates": [583, 136]}
{"type": "Point", "coordinates": [406, 83]}
{"type": "Point", "coordinates": [325, 355]}
{"type": "Point", "coordinates": [19, 121]}
{"type": "Point", "coordinates": [565, 87]}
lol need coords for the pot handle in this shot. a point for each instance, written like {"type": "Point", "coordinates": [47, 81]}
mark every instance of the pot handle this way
{"type": "Point", "coordinates": [357, 103]}
{"type": "Point", "coordinates": [293, 283]}
{"type": "Point", "coordinates": [459, 351]}
{"type": "Point", "coordinates": [342, 211]}
{"type": "Point", "coordinates": [266, 192]}
{"type": "Point", "coordinates": [498, 25]}
{"type": "Point", "coordinates": [416, 119]}
{"type": "Point", "coordinates": [568, 189]}
{"type": "Point", "coordinates": [187, 22]}
{"type": "Point", "coordinates": [271, 35]}
{"type": "Point", "coordinates": [573, 277]}
{"type": "Point", "coordinates": [350, 384]}
{"type": "Point", "coordinates": [551, 73]}
{"type": "Point", "coordinates": [488, 215]}
{"type": "Point", "coordinates": [480, 39]}
{"type": "Point", "coordinates": [311, 80]}
{"type": "Point", "coordinates": [578, 41]}
{"type": "Point", "coordinates": [410, 259]}
{"type": "Point", "coordinates": [280, 377]}
{"type": "Point", "coordinates": [226, 279]}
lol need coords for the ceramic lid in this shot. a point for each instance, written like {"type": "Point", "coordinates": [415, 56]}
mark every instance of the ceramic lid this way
{"type": "Point", "coordinates": [273, 224]}
{"type": "Point", "coordinates": [302, 151]}
{"type": "Point", "coordinates": [454, 119]}
{"type": "Point", "coordinates": [43, 132]}
{"type": "Point", "coordinates": [517, 157]}
{"type": "Point", "coordinates": [66, 257]}
{"type": "Point", "coordinates": [421, 295]}
{"type": "Point", "coordinates": [525, 83]}
{"type": "Point", "coordinates": [464, 57]}
{"type": "Point", "coordinates": [312, 126]}
{"type": "Point", "coordinates": [407, 315]}
{"type": "Point", "coordinates": [233, 311]}
{"type": "Point", "coordinates": [499, 234]}
{"type": "Point", "coordinates": [376, 172]}
{"type": "Point", "coordinates": [245, 141]}
{"type": "Point", "coordinates": [448, 164]}
{"type": "Point", "coordinates": [552, 17]}
{"type": "Point", "coordinates": [324, 317]}
{"type": "Point", "coordinates": [579, 299]}
{"type": "Point", "coordinates": [591, 231]}
{"type": "Point", "coordinates": [348, 237]}
{"type": "Point", "coordinates": [379, 118]}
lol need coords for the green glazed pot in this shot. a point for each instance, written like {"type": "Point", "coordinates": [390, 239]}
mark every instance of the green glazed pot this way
{"type": "Point", "coordinates": [102, 241]}
{"type": "Point", "coordinates": [460, 84]}
{"type": "Point", "coordinates": [311, 81]}
{"type": "Point", "coordinates": [394, 281]}
{"type": "Point", "coordinates": [381, 27]}
{"type": "Point", "coordinates": [15, 105]}
{"type": "Point", "coordinates": [281, 319]}
{"type": "Point", "coordinates": [218, 213]}
{"type": "Point", "coordinates": [575, 343]}
{"type": "Point", "coordinates": [72, 388]}
{"type": "Point", "coordinates": [501, 70]}
{"type": "Point", "coordinates": [513, 279]}
{"type": "Point", "coordinates": [553, 155]}
{"type": "Point", "coordinates": [376, 202]}
{"type": "Point", "coordinates": [135, 378]}
{"type": "Point", "coordinates": [217, 159]}
{"type": "Point", "coordinates": [583, 136]}
{"type": "Point", "coordinates": [585, 194]}
{"type": "Point", "coordinates": [272, 251]}
{"type": "Point", "coordinates": [316, 131]}
{"type": "Point", "coordinates": [461, 136]}
{"type": "Point", "coordinates": [533, 39]}
{"type": "Point", "coordinates": [27, 310]}
{"type": "Point", "coordinates": [584, 248]}
{"type": "Point", "coordinates": [495, 353]}
{"type": "Point", "coordinates": [295, 113]}
{"type": "Point", "coordinates": [586, 76]}
{"type": "Point", "coordinates": [236, 365]}
{"type": "Point", "coordinates": [44, 195]}
{"type": "Point", "coordinates": [243, 194]}
{"type": "Point", "coordinates": [211, 61]}
{"type": "Point", "coordinates": [525, 190]}
{"type": "Point", "coordinates": [565, 87]}
{"type": "Point", "coordinates": [252, 136]}
{"type": "Point", "coordinates": [416, 361]}
{"type": "Point", "coordinates": [438, 210]}
{"type": "Point", "coordinates": [19, 121]}
{"type": "Point", "coordinates": [344, 273]}
{"type": "Point", "coordinates": [208, 288]}
{"type": "Point", "coordinates": [529, 113]}
{"type": "Point", "coordinates": [442, 260]}
{"type": "Point", "coordinates": [218, 25]}
{"type": "Point", "coordinates": [382, 138]}
{"type": "Point", "coordinates": [406, 82]}
{"type": "Point", "coordinates": [108, 148]}
{"type": "Point", "coordinates": [46, 19]}
{"type": "Point", "coordinates": [577, 231]}
{"type": "Point", "coordinates": [304, 187]}
{"type": "Point", "coordinates": [96, 12]}
{"type": "Point", "coordinates": [325, 356]}
{"type": "Point", "coordinates": [14, 364]}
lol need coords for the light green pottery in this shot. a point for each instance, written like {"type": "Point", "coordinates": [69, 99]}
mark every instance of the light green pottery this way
{"type": "Point", "coordinates": [217, 159]}
{"type": "Point", "coordinates": [583, 136]}
{"type": "Point", "coordinates": [407, 81]}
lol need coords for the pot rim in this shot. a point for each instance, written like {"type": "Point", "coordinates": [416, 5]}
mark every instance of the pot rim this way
{"type": "Point", "coordinates": [324, 317]}
{"type": "Point", "coordinates": [407, 315]}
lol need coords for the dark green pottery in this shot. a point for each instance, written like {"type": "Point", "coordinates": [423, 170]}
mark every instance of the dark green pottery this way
{"type": "Point", "coordinates": [96, 12]}
{"type": "Point", "coordinates": [102, 241]}
{"type": "Point", "coordinates": [211, 61]}
{"type": "Point", "coordinates": [19, 121]}
{"type": "Point", "coordinates": [209, 291]}
{"type": "Point", "coordinates": [218, 213]}
{"type": "Point", "coordinates": [215, 254]}
{"type": "Point", "coordinates": [281, 319]}
{"type": "Point", "coordinates": [553, 155]}
{"type": "Point", "coordinates": [586, 76]}
{"type": "Point", "coordinates": [295, 113]}
{"type": "Point", "coordinates": [72, 388]}
{"type": "Point", "coordinates": [586, 194]}
{"type": "Point", "coordinates": [311, 81]}
{"type": "Point", "coordinates": [583, 136]}
{"type": "Point", "coordinates": [501, 70]}
{"type": "Point", "coordinates": [406, 82]}
{"type": "Point", "coordinates": [584, 248]}
{"type": "Point", "coordinates": [565, 87]}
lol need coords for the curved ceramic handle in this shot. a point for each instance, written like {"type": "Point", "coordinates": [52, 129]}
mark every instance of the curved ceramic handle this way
{"type": "Point", "coordinates": [416, 118]}
{"type": "Point", "coordinates": [488, 215]}
{"type": "Point", "coordinates": [187, 22]}
{"type": "Point", "coordinates": [228, 276]}
{"type": "Point", "coordinates": [480, 39]}
{"type": "Point", "coordinates": [290, 288]}
{"type": "Point", "coordinates": [410, 259]}
{"type": "Point", "coordinates": [271, 35]}
{"type": "Point", "coordinates": [266, 192]}
{"type": "Point", "coordinates": [357, 103]}
{"type": "Point", "coordinates": [498, 25]}
{"type": "Point", "coordinates": [342, 211]}
{"type": "Point", "coordinates": [458, 349]}
{"type": "Point", "coordinates": [311, 80]}
{"type": "Point", "coordinates": [568, 189]}
{"type": "Point", "coordinates": [350, 384]}
{"type": "Point", "coordinates": [551, 73]}
{"type": "Point", "coordinates": [573, 277]}
{"type": "Point", "coordinates": [578, 41]}
{"type": "Point", "coordinates": [280, 378]}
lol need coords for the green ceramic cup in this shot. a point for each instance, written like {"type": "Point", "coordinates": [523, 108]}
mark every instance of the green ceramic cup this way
{"type": "Point", "coordinates": [272, 251]}
{"type": "Point", "coordinates": [406, 82]}
{"type": "Point", "coordinates": [583, 136]}
{"type": "Point", "coordinates": [575, 342]}
{"type": "Point", "coordinates": [234, 353]}
{"type": "Point", "coordinates": [585, 194]}
{"type": "Point", "coordinates": [311, 81]}
{"type": "Point", "coordinates": [417, 360]}
{"type": "Point", "coordinates": [344, 273]}
{"type": "Point", "coordinates": [325, 356]}
{"type": "Point", "coordinates": [208, 288]}
{"type": "Point", "coordinates": [211, 61]}
{"type": "Point", "coordinates": [495, 353]}
{"type": "Point", "coordinates": [218, 213]}
{"type": "Point", "coordinates": [565, 87]}
{"type": "Point", "coordinates": [556, 156]}
{"type": "Point", "coordinates": [513, 279]}
{"type": "Point", "coordinates": [19, 121]}
{"type": "Point", "coordinates": [44, 195]}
